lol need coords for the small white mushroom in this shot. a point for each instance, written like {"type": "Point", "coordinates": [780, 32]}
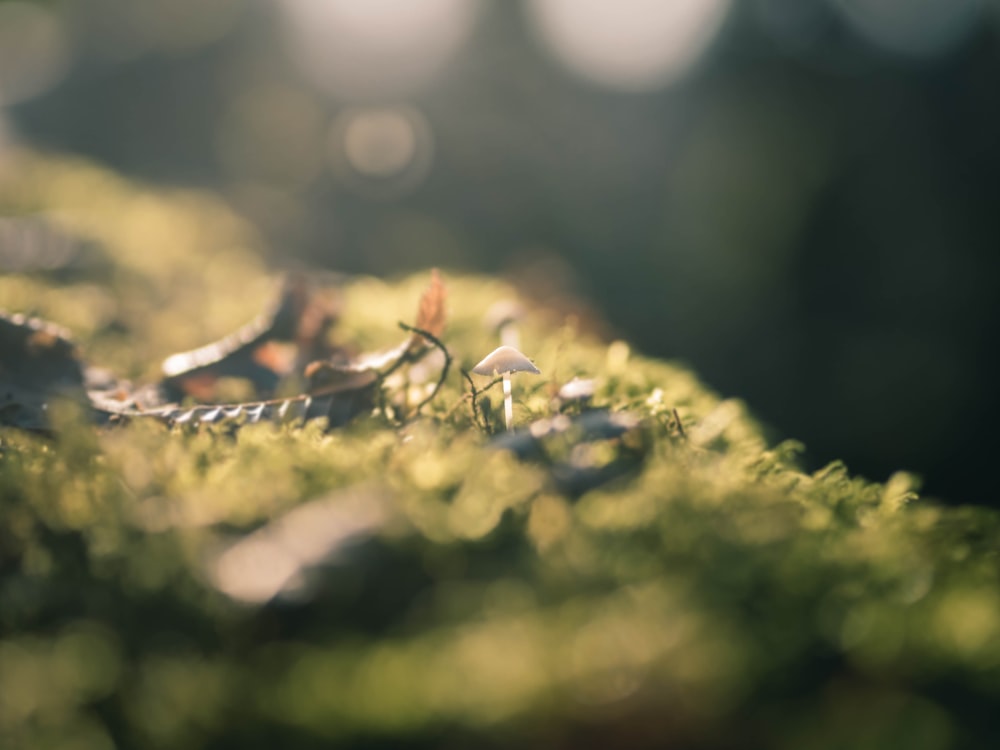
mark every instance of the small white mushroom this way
{"type": "Point", "coordinates": [504, 361]}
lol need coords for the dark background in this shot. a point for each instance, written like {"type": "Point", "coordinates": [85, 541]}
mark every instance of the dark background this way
{"type": "Point", "coordinates": [805, 212]}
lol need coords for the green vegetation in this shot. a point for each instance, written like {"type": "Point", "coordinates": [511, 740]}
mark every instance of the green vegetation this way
{"type": "Point", "coordinates": [407, 582]}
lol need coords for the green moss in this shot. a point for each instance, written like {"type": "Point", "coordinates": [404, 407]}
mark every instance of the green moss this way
{"type": "Point", "coordinates": [430, 586]}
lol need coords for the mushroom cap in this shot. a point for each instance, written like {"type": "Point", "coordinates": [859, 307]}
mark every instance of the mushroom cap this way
{"type": "Point", "coordinates": [504, 360]}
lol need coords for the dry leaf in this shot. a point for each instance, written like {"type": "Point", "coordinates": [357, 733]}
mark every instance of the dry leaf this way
{"type": "Point", "coordinates": [38, 363]}
{"type": "Point", "coordinates": [263, 352]}
{"type": "Point", "coordinates": [431, 313]}
{"type": "Point", "coordinates": [431, 318]}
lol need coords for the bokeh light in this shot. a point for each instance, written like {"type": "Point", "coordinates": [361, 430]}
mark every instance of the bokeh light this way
{"type": "Point", "coordinates": [913, 27]}
{"type": "Point", "coordinates": [632, 45]}
{"type": "Point", "coordinates": [377, 47]}
{"type": "Point", "coordinates": [380, 151]}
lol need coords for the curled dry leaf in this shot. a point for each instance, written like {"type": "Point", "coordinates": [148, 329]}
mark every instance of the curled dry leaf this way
{"type": "Point", "coordinates": [431, 313]}
{"type": "Point", "coordinates": [431, 319]}
{"type": "Point", "coordinates": [273, 346]}
{"type": "Point", "coordinates": [337, 405]}
{"type": "Point", "coordinates": [39, 362]}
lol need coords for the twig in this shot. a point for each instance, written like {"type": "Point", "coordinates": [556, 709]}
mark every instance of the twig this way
{"type": "Point", "coordinates": [472, 386]}
{"type": "Point", "coordinates": [444, 370]}
{"type": "Point", "coordinates": [475, 395]}
{"type": "Point", "coordinates": [680, 426]}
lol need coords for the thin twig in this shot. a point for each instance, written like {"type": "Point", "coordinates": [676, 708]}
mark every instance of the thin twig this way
{"type": "Point", "coordinates": [475, 395]}
{"type": "Point", "coordinates": [472, 386]}
{"type": "Point", "coordinates": [444, 370]}
{"type": "Point", "coordinates": [680, 426]}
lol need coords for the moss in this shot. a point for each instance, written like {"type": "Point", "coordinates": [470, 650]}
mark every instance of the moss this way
{"type": "Point", "coordinates": [412, 582]}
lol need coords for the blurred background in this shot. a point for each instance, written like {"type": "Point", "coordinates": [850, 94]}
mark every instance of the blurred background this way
{"type": "Point", "coordinates": [797, 197]}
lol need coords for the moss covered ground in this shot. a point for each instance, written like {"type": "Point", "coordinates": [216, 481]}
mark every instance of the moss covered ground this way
{"type": "Point", "coordinates": [411, 580]}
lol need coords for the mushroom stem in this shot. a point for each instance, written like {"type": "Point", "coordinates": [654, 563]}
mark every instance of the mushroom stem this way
{"type": "Point", "coordinates": [508, 403]}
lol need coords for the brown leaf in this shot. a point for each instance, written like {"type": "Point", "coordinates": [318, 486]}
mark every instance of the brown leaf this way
{"type": "Point", "coordinates": [263, 352]}
{"type": "Point", "coordinates": [39, 362]}
{"type": "Point", "coordinates": [276, 356]}
{"type": "Point", "coordinates": [431, 318]}
{"type": "Point", "coordinates": [431, 314]}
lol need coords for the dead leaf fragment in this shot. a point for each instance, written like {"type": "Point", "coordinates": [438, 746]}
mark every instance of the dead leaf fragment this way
{"type": "Point", "coordinates": [431, 313]}
{"type": "Point", "coordinates": [271, 347]}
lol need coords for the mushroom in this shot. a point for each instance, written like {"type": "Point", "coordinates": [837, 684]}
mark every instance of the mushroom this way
{"type": "Point", "coordinates": [504, 361]}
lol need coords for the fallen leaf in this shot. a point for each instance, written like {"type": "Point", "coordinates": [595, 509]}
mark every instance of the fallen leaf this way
{"type": "Point", "coordinates": [270, 348]}
{"type": "Point", "coordinates": [431, 313]}
{"type": "Point", "coordinates": [39, 363]}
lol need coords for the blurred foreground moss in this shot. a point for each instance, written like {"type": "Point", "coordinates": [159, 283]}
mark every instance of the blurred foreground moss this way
{"type": "Point", "coordinates": [413, 584]}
